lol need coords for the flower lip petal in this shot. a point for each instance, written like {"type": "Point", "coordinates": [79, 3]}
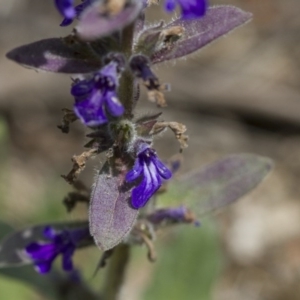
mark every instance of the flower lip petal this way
{"type": "Point", "coordinates": [66, 8]}
{"type": "Point", "coordinates": [162, 170]}
{"type": "Point", "coordinates": [43, 267]}
{"type": "Point", "coordinates": [90, 111]}
{"type": "Point", "coordinates": [33, 248]}
{"type": "Point", "coordinates": [91, 120]}
{"type": "Point", "coordinates": [67, 262]}
{"type": "Point", "coordinates": [82, 88]}
{"type": "Point", "coordinates": [49, 232]}
{"type": "Point", "coordinates": [113, 104]}
{"type": "Point", "coordinates": [138, 195]}
{"type": "Point", "coordinates": [192, 9]}
{"type": "Point", "coordinates": [135, 172]}
{"type": "Point", "coordinates": [39, 251]}
{"type": "Point", "coordinates": [147, 188]}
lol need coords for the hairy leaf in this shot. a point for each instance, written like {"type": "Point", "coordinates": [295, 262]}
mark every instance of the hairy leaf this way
{"type": "Point", "coordinates": [12, 246]}
{"type": "Point", "coordinates": [58, 55]}
{"type": "Point", "coordinates": [222, 182]}
{"type": "Point", "coordinates": [111, 214]}
{"type": "Point", "coordinates": [95, 22]}
{"type": "Point", "coordinates": [218, 21]}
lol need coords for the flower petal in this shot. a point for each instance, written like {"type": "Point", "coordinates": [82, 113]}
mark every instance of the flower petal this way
{"type": "Point", "coordinates": [43, 267]}
{"type": "Point", "coordinates": [67, 262]}
{"type": "Point", "coordinates": [146, 189]}
{"type": "Point", "coordinates": [78, 10]}
{"type": "Point", "coordinates": [113, 104]}
{"type": "Point", "coordinates": [162, 170]}
{"type": "Point", "coordinates": [135, 172]}
{"type": "Point", "coordinates": [192, 9]}
{"type": "Point", "coordinates": [138, 198]}
{"type": "Point", "coordinates": [66, 8]}
{"type": "Point", "coordinates": [41, 251]}
{"type": "Point", "coordinates": [90, 112]}
{"type": "Point", "coordinates": [49, 232]}
{"type": "Point", "coordinates": [110, 70]}
{"type": "Point", "coordinates": [82, 88]}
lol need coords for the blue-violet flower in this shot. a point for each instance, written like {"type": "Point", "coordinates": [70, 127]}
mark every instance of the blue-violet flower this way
{"type": "Point", "coordinates": [190, 9]}
{"type": "Point", "coordinates": [97, 96]}
{"type": "Point", "coordinates": [180, 214]}
{"type": "Point", "coordinates": [62, 242]}
{"type": "Point", "coordinates": [140, 66]}
{"type": "Point", "coordinates": [69, 11]}
{"type": "Point", "coordinates": [149, 169]}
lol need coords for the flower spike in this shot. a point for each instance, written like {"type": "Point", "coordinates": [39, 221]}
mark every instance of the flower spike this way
{"type": "Point", "coordinates": [149, 170]}
{"type": "Point", "coordinates": [63, 242]}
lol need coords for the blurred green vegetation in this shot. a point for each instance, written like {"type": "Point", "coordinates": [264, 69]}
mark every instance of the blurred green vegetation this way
{"type": "Point", "coordinates": [12, 289]}
{"type": "Point", "coordinates": [3, 162]}
{"type": "Point", "coordinates": [188, 265]}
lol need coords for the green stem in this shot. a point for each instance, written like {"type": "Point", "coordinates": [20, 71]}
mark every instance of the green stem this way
{"type": "Point", "coordinates": [120, 257]}
{"type": "Point", "coordinates": [116, 272]}
{"type": "Point", "coordinates": [127, 79]}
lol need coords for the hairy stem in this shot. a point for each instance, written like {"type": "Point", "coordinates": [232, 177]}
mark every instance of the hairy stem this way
{"type": "Point", "coordinates": [127, 80]}
{"type": "Point", "coordinates": [116, 272]}
{"type": "Point", "coordinates": [120, 257]}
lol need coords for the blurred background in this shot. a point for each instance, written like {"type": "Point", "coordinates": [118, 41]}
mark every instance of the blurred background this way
{"type": "Point", "coordinates": [240, 94]}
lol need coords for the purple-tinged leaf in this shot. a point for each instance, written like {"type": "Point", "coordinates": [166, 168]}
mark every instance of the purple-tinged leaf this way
{"type": "Point", "coordinates": [57, 55]}
{"type": "Point", "coordinates": [12, 246]}
{"type": "Point", "coordinates": [221, 183]}
{"type": "Point", "coordinates": [218, 21]}
{"type": "Point", "coordinates": [111, 212]}
{"type": "Point", "coordinates": [93, 24]}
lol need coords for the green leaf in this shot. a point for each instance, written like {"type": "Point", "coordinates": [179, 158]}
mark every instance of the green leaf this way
{"type": "Point", "coordinates": [220, 183]}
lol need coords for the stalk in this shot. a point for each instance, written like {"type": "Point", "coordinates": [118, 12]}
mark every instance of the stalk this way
{"type": "Point", "coordinates": [119, 260]}
{"type": "Point", "coordinates": [115, 274]}
{"type": "Point", "coordinates": [127, 80]}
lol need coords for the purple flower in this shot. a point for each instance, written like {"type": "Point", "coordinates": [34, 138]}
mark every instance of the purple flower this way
{"type": "Point", "coordinates": [176, 214]}
{"type": "Point", "coordinates": [140, 66]}
{"type": "Point", "coordinates": [190, 9]}
{"type": "Point", "coordinates": [171, 215]}
{"type": "Point", "coordinates": [63, 242]}
{"type": "Point", "coordinates": [67, 9]}
{"type": "Point", "coordinates": [97, 96]}
{"type": "Point", "coordinates": [149, 170]}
